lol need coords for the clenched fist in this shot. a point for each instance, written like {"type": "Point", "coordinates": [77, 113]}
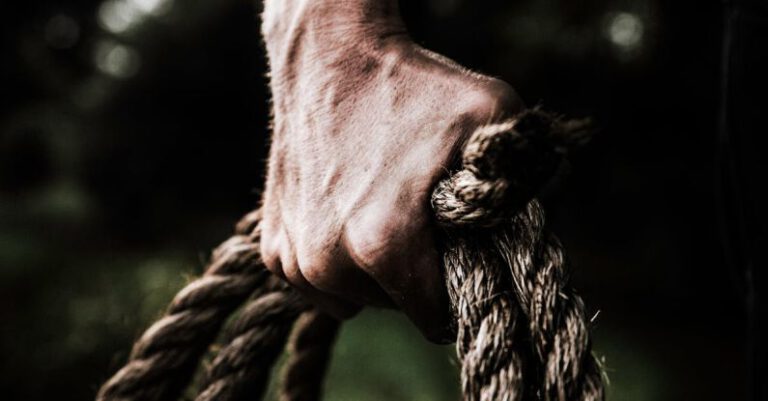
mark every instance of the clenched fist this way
{"type": "Point", "coordinates": [365, 124]}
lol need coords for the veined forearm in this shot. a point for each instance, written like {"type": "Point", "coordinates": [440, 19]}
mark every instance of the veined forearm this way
{"type": "Point", "coordinates": [334, 19]}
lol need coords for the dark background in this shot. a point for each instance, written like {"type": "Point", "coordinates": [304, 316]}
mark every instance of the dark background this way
{"type": "Point", "coordinates": [133, 135]}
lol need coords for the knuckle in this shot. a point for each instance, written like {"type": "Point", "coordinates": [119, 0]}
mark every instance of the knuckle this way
{"type": "Point", "coordinates": [270, 253]}
{"type": "Point", "coordinates": [316, 257]}
{"type": "Point", "coordinates": [313, 266]}
{"type": "Point", "coordinates": [275, 252]}
{"type": "Point", "coordinates": [372, 239]}
{"type": "Point", "coordinates": [272, 262]}
{"type": "Point", "coordinates": [494, 99]}
{"type": "Point", "coordinates": [291, 271]}
{"type": "Point", "coordinates": [366, 244]}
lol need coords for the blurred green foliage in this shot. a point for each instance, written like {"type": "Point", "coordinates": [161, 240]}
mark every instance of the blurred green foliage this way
{"type": "Point", "coordinates": [379, 355]}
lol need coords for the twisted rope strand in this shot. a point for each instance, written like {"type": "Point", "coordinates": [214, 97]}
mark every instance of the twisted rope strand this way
{"type": "Point", "coordinates": [257, 337]}
{"type": "Point", "coordinates": [166, 355]}
{"type": "Point", "coordinates": [487, 317]}
{"type": "Point", "coordinates": [309, 352]}
{"type": "Point", "coordinates": [557, 321]}
{"type": "Point", "coordinates": [503, 165]}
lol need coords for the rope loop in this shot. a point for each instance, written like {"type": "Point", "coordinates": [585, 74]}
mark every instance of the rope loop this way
{"type": "Point", "coordinates": [503, 165]}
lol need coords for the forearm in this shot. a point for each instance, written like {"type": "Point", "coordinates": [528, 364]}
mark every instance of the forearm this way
{"type": "Point", "coordinates": [329, 21]}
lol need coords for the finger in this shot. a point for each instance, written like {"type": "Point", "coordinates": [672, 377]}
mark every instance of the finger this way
{"type": "Point", "coordinates": [421, 294]}
{"type": "Point", "coordinates": [334, 306]}
{"type": "Point", "coordinates": [271, 240]}
{"type": "Point", "coordinates": [413, 280]}
{"type": "Point", "coordinates": [337, 307]}
{"type": "Point", "coordinates": [335, 273]}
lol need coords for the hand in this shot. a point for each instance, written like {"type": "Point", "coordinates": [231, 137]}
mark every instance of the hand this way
{"type": "Point", "coordinates": [365, 124]}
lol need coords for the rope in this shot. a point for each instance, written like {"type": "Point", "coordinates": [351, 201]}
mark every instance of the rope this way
{"type": "Point", "coordinates": [166, 356]}
{"type": "Point", "coordinates": [522, 332]}
{"type": "Point", "coordinates": [492, 354]}
{"type": "Point", "coordinates": [309, 351]}
{"type": "Point", "coordinates": [557, 321]}
{"type": "Point", "coordinates": [513, 258]}
{"type": "Point", "coordinates": [257, 337]}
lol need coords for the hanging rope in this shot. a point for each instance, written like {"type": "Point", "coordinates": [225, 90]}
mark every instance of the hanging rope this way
{"type": "Point", "coordinates": [309, 351]}
{"type": "Point", "coordinates": [241, 369]}
{"type": "Point", "coordinates": [521, 331]}
{"type": "Point", "coordinates": [513, 266]}
{"type": "Point", "coordinates": [166, 356]}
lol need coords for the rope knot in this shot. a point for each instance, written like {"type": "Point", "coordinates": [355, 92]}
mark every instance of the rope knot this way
{"type": "Point", "coordinates": [504, 165]}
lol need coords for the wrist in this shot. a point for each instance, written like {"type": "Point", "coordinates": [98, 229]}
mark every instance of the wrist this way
{"type": "Point", "coordinates": [330, 21]}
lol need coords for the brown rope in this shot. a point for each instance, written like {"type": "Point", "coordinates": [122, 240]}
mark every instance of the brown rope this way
{"type": "Point", "coordinates": [241, 369]}
{"type": "Point", "coordinates": [522, 333]}
{"type": "Point", "coordinates": [557, 321]}
{"type": "Point", "coordinates": [492, 354]}
{"type": "Point", "coordinates": [166, 356]}
{"type": "Point", "coordinates": [309, 352]}
{"type": "Point", "coordinates": [512, 266]}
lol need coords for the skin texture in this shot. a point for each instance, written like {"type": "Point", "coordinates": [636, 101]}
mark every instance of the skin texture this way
{"type": "Point", "coordinates": [365, 124]}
